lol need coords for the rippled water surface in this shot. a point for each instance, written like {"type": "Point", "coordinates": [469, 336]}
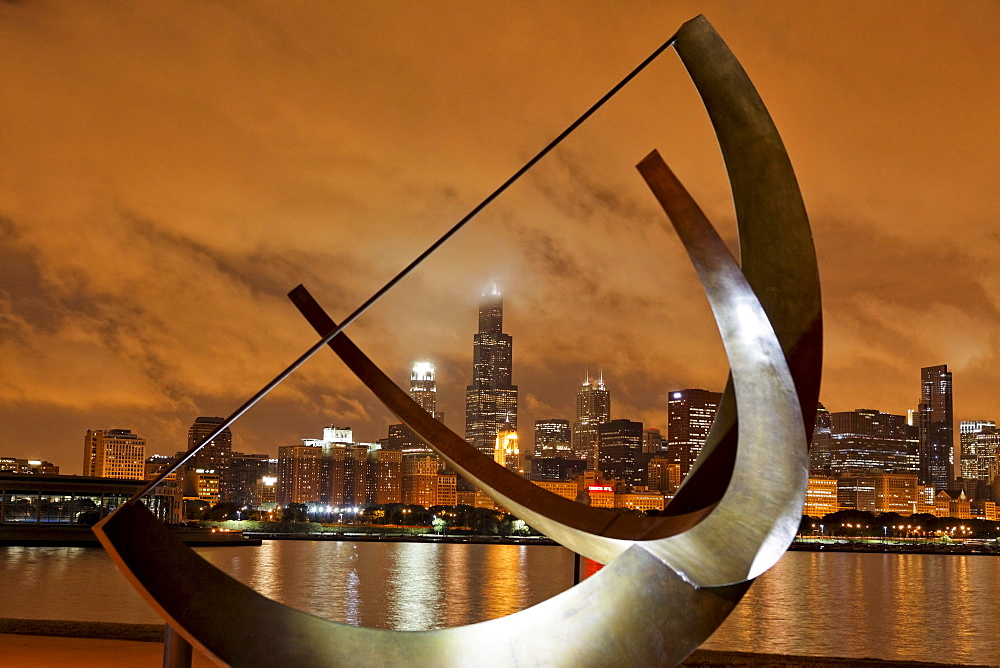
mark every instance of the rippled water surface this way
{"type": "Point", "coordinates": [892, 606]}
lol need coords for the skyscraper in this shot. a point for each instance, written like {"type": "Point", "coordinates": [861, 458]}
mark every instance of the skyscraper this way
{"type": "Point", "coordinates": [618, 443]}
{"type": "Point", "coordinates": [870, 440]}
{"type": "Point", "coordinates": [114, 453]}
{"type": "Point", "coordinates": [936, 427]}
{"type": "Point", "coordinates": [300, 472]}
{"type": "Point", "coordinates": [491, 400]}
{"type": "Point", "coordinates": [245, 475]}
{"type": "Point", "coordinates": [423, 390]}
{"type": "Point", "coordinates": [690, 414]}
{"type": "Point", "coordinates": [552, 438]}
{"type": "Point", "coordinates": [593, 406]}
{"type": "Point", "coordinates": [216, 455]}
{"type": "Point", "coordinates": [819, 453]}
{"type": "Point", "coordinates": [423, 387]}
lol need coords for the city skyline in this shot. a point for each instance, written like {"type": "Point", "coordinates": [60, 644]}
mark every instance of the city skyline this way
{"type": "Point", "coordinates": [156, 207]}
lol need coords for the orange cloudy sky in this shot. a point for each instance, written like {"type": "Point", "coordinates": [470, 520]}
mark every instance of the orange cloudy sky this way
{"type": "Point", "coordinates": [168, 171]}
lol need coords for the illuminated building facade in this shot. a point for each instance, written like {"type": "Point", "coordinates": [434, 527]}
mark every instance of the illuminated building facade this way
{"type": "Point", "coordinates": [344, 477]}
{"type": "Point", "coordinates": [690, 414]}
{"type": "Point", "coordinates": [385, 476]}
{"type": "Point", "coordinates": [880, 493]}
{"type": "Point", "coordinates": [641, 501]}
{"type": "Point", "coordinates": [652, 441]}
{"type": "Point", "coordinates": [978, 440]}
{"type": "Point", "coordinates": [491, 399]}
{"type": "Point", "coordinates": [952, 503]}
{"type": "Point", "coordinates": [821, 497]}
{"type": "Point", "coordinates": [663, 475]}
{"type": "Point", "coordinates": [420, 479]}
{"type": "Point", "coordinates": [423, 390]}
{"type": "Point", "coordinates": [819, 451]}
{"type": "Point", "coordinates": [556, 468]}
{"type": "Point", "coordinates": [567, 490]}
{"type": "Point", "coordinates": [866, 439]}
{"type": "Point", "coordinates": [936, 427]}
{"type": "Point", "coordinates": [246, 472]}
{"type": "Point", "coordinates": [114, 453]}
{"type": "Point", "coordinates": [476, 499]}
{"type": "Point", "coordinates": [618, 443]}
{"type": "Point", "coordinates": [593, 406]}
{"type": "Point", "coordinates": [202, 485]}
{"type": "Point", "coordinates": [55, 500]}
{"type": "Point", "coordinates": [300, 473]}
{"type": "Point", "coordinates": [983, 510]}
{"type": "Point", "coordinates": [447, 489]}
{"type": "Point", "coordinates": [216, 455]}
{"type": "Point", "coordinates": [507, 451]}
{"type": "Point", "coordinates": [266, 491]}
{"type": "Point", "coordinates": [28, 466]}
{"type": "Point", "coordinates": [552, 438]}
{"type": "Point", "coordinates": [601, 495]}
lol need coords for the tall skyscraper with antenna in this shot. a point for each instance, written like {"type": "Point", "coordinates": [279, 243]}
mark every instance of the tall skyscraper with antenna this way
{"type": "Point", "coordinates": [593, 407]}
{"type": "Point", "coordinates": [491, 399]}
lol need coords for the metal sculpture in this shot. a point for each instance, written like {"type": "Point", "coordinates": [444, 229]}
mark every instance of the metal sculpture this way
{"type": "Point", "coordinates": [670, 581]}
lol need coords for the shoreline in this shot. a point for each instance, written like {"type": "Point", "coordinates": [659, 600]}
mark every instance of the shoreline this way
{"type": "Point", "coordinates": [30, 536]}
{"type": "Point", "coordinates": [30, 641]}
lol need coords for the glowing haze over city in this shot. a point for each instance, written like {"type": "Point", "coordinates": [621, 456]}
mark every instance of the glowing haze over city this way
{"type": "Point", "coordinates": [169, 172]}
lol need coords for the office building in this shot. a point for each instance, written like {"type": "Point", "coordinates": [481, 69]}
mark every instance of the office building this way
{"type": "Point", "coordinates": [690, 414]}
{"type": "Point", "coordinates": [618, 443]}
{"type": "Point", "coordinates": [880, 493]}
{"type": "Point", "coordinates": [663, 475]}
{"type": "Point", "coordinates": [423, 390]}
{"type": "Point", "coordinates": [447, 489]}
{"type": "Point", "coordinates": [552, 438]}
{"type": "Point", "coordinates": [556, 468]}
{"type": "Point", "coordinates": [821, 497]}
{"type": "Point", "coordinates": [215, 456]}
{"type": "Point", "coordinates": [865, 439]}
{"type": "Point", "coordinates": [641, 501]}
{"type": "Point", "coordinates": [937, 458]}
{"type": "Point", "coordinates": [565, 489]}
{"type": "Point", "coordinates": [977, 454]}
{"type": "Point", "coordinates": [420, 479]}
{"type": "Point", "coordinates": [344, 475]}
{"type": "Point", "coordinates": [819, 451]}
{"type": "Point", "coordinates": [507, 451]}
{"type": "Point", "coordinates": [593, 406]}
{"type": "Point", "coordinates": [246, 474]}
{"type": "Point", "coordinates": [652, 441]}
{"type": "Point", "coordinates": [114, 453]}
{"type": "Point", "coordinates": [27, 466]}
{"type": "Point", "coordinates": [385, 476]}
{"type": "Point", "coordinates": [952, 503]}
{"type": "Point", "coordinates": [491, 399]}
{"type": "Point", "coordinates": [300, 472]}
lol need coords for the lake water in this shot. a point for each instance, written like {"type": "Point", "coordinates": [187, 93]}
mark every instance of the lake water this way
{"type": "Point", "coordinates": [918, 607]}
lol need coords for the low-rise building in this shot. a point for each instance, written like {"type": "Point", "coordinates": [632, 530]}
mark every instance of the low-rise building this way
{"type": "Point", "coordinates": [77, 500]}
{"type": "Point", "coordinates": [639, 501]}
{"type": "Point", "coordinates": [821, 497]}
{"type": "Point", "coordinates": [567, 490]}
{"type": "Point", "coordinates": [952, 503]}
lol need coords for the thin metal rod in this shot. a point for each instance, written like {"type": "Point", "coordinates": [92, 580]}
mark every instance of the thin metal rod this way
{"type": "Point", "coordinates": [409, 268]}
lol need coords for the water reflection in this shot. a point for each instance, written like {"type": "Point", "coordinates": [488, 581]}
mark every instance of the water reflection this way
{"type": "Point", "coordinates": [906, 607]}
{"type": "Point", "coordinates": [414, 578]}
{"type": "Point", "coordinates": [910, 607]}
